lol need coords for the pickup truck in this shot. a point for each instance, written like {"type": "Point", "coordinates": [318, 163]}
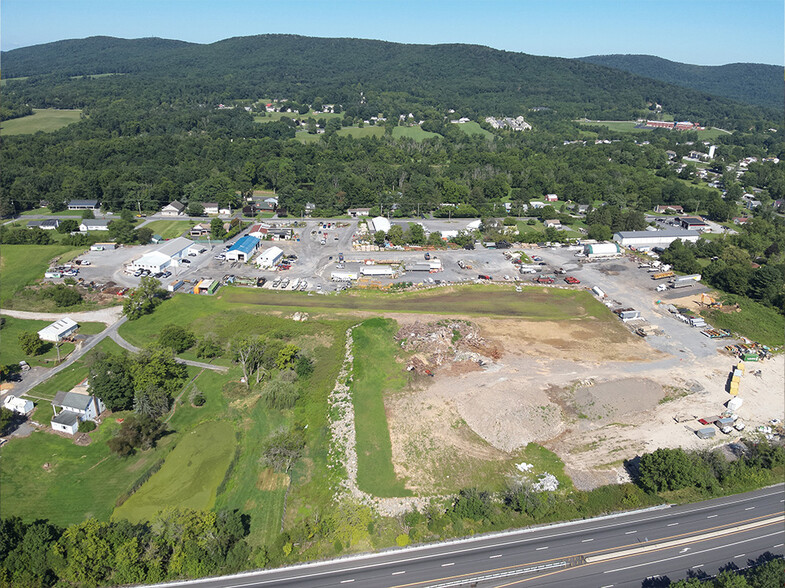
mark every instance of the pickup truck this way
{"type": "Point", "coordinates": [484, 277]}
{"type": "Point", "coordinates": [544, 280]}
{"type": "Point", "coordinates": [571, 280]}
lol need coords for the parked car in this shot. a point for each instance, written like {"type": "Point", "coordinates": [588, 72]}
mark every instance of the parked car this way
{"type": "Point", "coordinates": [186, 261]}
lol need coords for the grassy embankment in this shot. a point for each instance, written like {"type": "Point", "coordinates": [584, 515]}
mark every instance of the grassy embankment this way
{"type": "Point", "coordinates": [10, 352]}
{"type": "Point", "coordinates": [755, 321]}
{"type": "Point", "coordinates": [376, 374]}
{"type": "Point", "coordinates": [44, 119]}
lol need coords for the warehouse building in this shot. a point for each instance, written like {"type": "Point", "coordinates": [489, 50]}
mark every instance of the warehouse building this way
{"type": "Point", "coordinates": [662, 238]}
{"type": "Point", "coordinates": [378, 271]}
{"type": "Point", "coordinates": [243, 249]}
{"type": "Point", "coordinates": [165, 256]}
{"type": "Point", "coordinates": [379, 223]}
{"type": "Point", "coordinates": [58, 330]}
{"type": "Point", "coordinates": [270, 258]}
{"type": "Point", "coordinates": [595, 250]}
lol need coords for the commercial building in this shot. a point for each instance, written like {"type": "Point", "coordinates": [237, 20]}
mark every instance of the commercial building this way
{"type": "Point", "coordinates": [58, 330]}
{"type": "Point", "coordinates": [355, 212]}
{"type": "Point", "coordinates": [270, 258]}
{"type": "Point", "coordinates": [83, 205]}
{"type": "Point", "coordinates": [165, 256]}
{"type": "Point", "coordinates": [654, 238]}
{"type": "Point", "coordinates": [379, 223]}
{"type": "Point", "coordinates": [243, 249]}
{"type": "Point", "coordinates": [693, 222]}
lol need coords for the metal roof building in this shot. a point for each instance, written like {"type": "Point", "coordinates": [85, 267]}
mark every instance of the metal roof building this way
{"type": "Point", "coordinates": [58, 330]}
{"type": "Point", "coordinates": [270, 257]}
{"type": "Point", "coordinates": [379, 223]}
{"type": "Point", "coordinates": [243, 249]}
{"type": "Point", "coordinates": [654, 238]}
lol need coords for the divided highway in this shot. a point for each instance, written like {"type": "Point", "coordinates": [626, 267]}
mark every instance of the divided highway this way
{"type": "Point", "coordinates": [609, 551]}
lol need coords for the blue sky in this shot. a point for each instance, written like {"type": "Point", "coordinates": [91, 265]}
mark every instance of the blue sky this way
{"type": "Point", "coordinates": [706, 32]}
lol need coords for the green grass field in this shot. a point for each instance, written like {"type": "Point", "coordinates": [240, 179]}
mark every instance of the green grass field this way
{"type": "Point", "coordinates": [10, 352]}
{"type": "Point", "coordinates": [755, 321]}
{"type": "Point", "coordinates": [46, 120]}
{"type": "Point", "coordinates": [376, 374]}
{"type": "Point", "coordinates": [169, 229]}
{"type": "Point", "coordinates": [45, 211]}
{"type": "Point", "coordinates": [622, 126]}
{"type": "Point", "coordinates": [474, 128]}
{"type": "Point", "coordinates": [360, 133]}
{"type": "Point", "coordinates": [276, 116]}
{"type": "Point", "coordinates": [22, 265]}
{"type": "Point", "coordinates": [415, 133]}
{"type": "Point", "coordinates": [189, 476]}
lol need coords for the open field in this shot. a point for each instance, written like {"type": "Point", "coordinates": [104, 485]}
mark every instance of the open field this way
{"type": "Point", "coordinates": [10, 352]}
{"type": "Point", "coordinates": [415, 133]}
{"type": "Point", "coordinates": [755, 321]}
{"type": "Point", "coordinates": [45, 211]}
{"type": "Point", "coordinates": [22, 265]}
{"type": "Point", "coordinates": [622, 126]}
{"type": "Point", "coordinates": [189, 476]}
{"type": "Point", "coordinates": [474, 128]}
{"type": "Point", "coordinates": [376, 375]}
{"type": "Point", "coordinates": [533, 303]}
{"type": "Point", "coordinates": [45, 119]}
{"type": "Point", "coordinates": [276, 116]}
{"type": "Point", "coordinates": [169, 229]}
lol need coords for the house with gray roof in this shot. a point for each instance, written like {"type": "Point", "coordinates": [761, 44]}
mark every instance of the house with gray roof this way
{"type": "Point", "coordinates": [75, 407]}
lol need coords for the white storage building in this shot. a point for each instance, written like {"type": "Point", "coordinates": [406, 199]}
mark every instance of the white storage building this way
{"type": "Point", "coordinates": [654, 238]}
{"type": "Point", "coordinates": [379, 223]}
{"type": "Point", "coordinates": [601, 249]}
{"type": "Point", "coordinates": [18, 405]}
{"type": "Point", "coordinates": [58, 330]}
{"type": "Point", "coordinates": [270, 257]}
{"type": "Point", "coordinates": [165, 256]}
{"type": "Point", "coordinates": [379, 271]}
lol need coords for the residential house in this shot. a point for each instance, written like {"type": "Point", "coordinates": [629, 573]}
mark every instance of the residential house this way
{"type": "Point", "coordinates": [210, 207]}
{"type": "Point", "coordinates": [551, 198]}
{"type": "Point", "coordinates": [94, 224]}
{"type": "Point", "coordinates": [49, 224]}
{"type": "Point", "coordinates": [259, 230]}
{"type": "Point", "coordinates": [536, 204]}
{"type": "Point", "coordinates": [75, 407]}
{"type": "Point", "coordinates": [200, 230]}
{"type": "Point", "coordinates": [355, 212]}
{"type": "Point", "coordinates": [664, 208]}
{"type": "Point", "coordinates": [555, 223]}
{"type": "Point", "coordinates": [83, 205]}
{"type": "Point", "coordinates": [173, 209]}
{"type": "Point", "coordinates": [741, 220]}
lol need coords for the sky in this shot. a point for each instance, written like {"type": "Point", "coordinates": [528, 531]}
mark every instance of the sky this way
{"type": "Point", "coordinates": [703, 32]}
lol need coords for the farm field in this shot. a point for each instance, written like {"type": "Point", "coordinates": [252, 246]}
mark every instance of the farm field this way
{"type": "Point", "coordinates": [22, 265]}
{"type": "Point", "coordinates": [189, 476]}
{"type": "Point", "coordinates": [276, 116]}
{"type": "Point", "coordinates": [10, 352]}
{"type": "Point", "coordinates": [169, 229]}
{"type": "Point", "coordinates": [622, 126]}
{"type": "Point", "coordinates": [45, 119]}
{"type": "Point", "coordinates": [360, 133]}
{"type": "Point", "coordinates": [376, 374]}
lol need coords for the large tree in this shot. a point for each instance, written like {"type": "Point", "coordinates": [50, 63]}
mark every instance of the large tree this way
{"type": "Point", "coordinates": [144, 299]}
{"type": "Point", "coordinates": [110, 380]}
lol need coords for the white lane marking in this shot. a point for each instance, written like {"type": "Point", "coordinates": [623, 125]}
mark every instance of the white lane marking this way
{"type": "Point", "coordinates": [698, 566]}
{"type": "Point", "coordinates": [711, 516]}
{"type": "Point", "coordinates": [608, 586]}
{"type": "Point", "coordinates": [648, 563]}
{"type": "Point", "coordinates": [347, 581]}
{"type": "Point", "coordinates": [541, 548]}
{"type": "Point", "coordinates": [495, 556]}
{"type": "Point", "coordinates": [778, 545]}
{"type": "Point", "coordinates": [673, 524]}
{"type": "Point", "coordinates": [399, 573]}
{"type": "Point", "coordinates": [587, 540]}
{"type": "Point", "coordinates": [750, 508]}
{"type": "Point", "coordinates": [736, 556]}
{"type": "Point", "coordinates": [452, 563]}
{"type": "Point", "coordinates": [630, 532]}
{"type": "Point", "coordinates": [685, 550]}
{"type": "Point", "coordinates": [312, 570]}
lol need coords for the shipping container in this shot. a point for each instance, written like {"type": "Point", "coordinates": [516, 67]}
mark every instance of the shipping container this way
{"type": "Point", "coordinates": [750, 357]}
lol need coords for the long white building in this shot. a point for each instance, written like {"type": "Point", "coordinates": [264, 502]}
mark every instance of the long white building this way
{"type": "Point", "coordinates": [654, 238]}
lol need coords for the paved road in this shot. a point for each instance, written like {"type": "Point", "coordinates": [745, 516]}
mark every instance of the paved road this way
{"type": "Point", "coordinates": [500, 560]}
{"type": "Point", "coordinates": [134, 349]}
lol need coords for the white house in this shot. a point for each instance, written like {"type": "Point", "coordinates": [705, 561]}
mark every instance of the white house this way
{"type": "Point", "coordinates": [210, 207]}
{"type": "Point", "coordinates": [173, 209]}
{"type": "Point", "coordinates": [355, 212]}
{"type": "Point", "coordinates": [537, 204]}
{"type": "Point", "coordinates": [82, 204]}
{"type": "Point", "coordinates": [270, 258]}
{"type": "Point", "coordinates": [94, 224]}
{"type": "Point", "coordinates": [18, 405]}
{"type": "Point", "coordinates": [75, 407]}
{"type": "Point", "coordinates": [58, 330]}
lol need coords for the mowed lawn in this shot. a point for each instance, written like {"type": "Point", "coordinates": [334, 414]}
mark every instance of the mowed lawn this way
{"type": "Point", "coordinates": [45, 119]}
{"type": "Point", "coordinates": [189, 477]}
{"type": "Point", "coordinates": [47, 476]}
{"type": "Point", "coordinates": [22, 265]}
{"type": "Point", "coordinates": [415, 133]}
{"type": "Point", "coordinates": [11, 352]}
{"type": "Point", "coordinates": [169, 229]}
{"type": "Point", "coordinates": [474, 128]}
{"type": "Point", "coordinates": [376, 373]}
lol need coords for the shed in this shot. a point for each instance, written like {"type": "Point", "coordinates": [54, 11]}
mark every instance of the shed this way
{"type": "Point", "coordinates": [58, 330]}
{"type": "Point", "coordinates": [18, 405]}
{"type": "Point", "coordinates": [628, 315]}
{"type": "Point", "coordinates": [66, 422]}
{"type": "Point", "coordinates": [706, 432]}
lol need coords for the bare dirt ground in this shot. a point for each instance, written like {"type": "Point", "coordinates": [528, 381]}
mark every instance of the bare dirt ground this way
{"type": "Point", "coordinates": [594, 394]}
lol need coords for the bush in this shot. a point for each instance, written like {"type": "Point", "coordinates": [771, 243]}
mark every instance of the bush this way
{"type": "Point", "coordinates": [136, 432]}
{"type": "Point", "coordinates": [402, 540]}
{"type": "Point", "coordinates": [199, 400]}
{"type": "Point", "coordinates": [31, 344]}
{"type": "Point", "coordinates": [62, 295]}
{"type": "Point", "coordinates": [304, 366]}
{"type": "Point", "coordinates": [208, 347]}
{"type": "Point", "coordinates": [279, 394]}
{"type": "Point", "coordinates": [86, 426]}
{"type": "Point", "coordinates": [177, 338]}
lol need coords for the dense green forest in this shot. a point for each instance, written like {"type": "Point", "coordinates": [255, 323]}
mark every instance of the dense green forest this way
{"type": "Point", "coordinates": [373, 75]}
{"type": "Point", "coordinates": [753, 83]}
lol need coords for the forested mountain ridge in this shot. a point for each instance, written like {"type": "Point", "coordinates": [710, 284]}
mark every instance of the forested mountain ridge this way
{"type": "Point", "coordinates": [752, 83]}
{"type": "Point", "coordinates": [476, 80]}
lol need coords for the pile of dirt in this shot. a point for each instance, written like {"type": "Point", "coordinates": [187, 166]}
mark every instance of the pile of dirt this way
{"type": "Point", "coordinates": [608, 400]}
{"type": "Point", "coordinates": [444, 342]}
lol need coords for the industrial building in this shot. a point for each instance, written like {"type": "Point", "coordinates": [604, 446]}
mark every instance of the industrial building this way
{"type": "Point", "coordinates": [165, 256]}
{"type": "Point", "coordinates": [243, 249]}
{"type": "Point", "coordinates": [601, 250]}
{"type": "Point", "coordinates": [58, 330]}
{"type": "Point", "coordinates": [270, 258]}
{"type": "Point", "coordinates": [378, 271]}
{"type": "Point", "coordinates": [379, 223]}
{"type": "Point", "coordinates": [662, 238]}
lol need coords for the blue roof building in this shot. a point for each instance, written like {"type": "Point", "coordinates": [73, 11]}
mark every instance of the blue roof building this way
{"type": "Point", "coordinates": [243, 249]}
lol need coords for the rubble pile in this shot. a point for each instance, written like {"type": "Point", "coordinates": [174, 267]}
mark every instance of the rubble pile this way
{"type": "Point", "coordinates": [439, 343]}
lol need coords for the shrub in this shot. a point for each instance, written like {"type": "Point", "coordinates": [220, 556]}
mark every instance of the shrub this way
{"type": "Point", "coordinates": [199, 400]}
{"type": "Point", "coordinates": [62, 295]}
{"type": "Point", "coordinates": [208, 347]}
{"type": "Point", "coordinates": [86, 426]}
{"type": "Point", "coordinates": [177, 338]}
{"type": "Point", "coordinates": [280, 395]}
{"type": "Point", "coordinates": [402, 540]}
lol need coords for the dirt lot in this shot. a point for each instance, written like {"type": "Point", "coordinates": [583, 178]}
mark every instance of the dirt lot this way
{"type": "Point", "coordinates": [602, 401]}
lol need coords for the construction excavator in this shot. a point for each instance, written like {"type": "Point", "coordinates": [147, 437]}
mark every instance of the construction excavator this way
{"type": "Point", "coordinates": [709, 302]}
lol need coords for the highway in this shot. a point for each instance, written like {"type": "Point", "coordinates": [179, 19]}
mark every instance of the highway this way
{"type": "Point", "coordinates": [644, 548]}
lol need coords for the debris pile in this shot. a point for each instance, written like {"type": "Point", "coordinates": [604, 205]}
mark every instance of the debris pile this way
{"type": "Point", "coordinates": [439, 343]}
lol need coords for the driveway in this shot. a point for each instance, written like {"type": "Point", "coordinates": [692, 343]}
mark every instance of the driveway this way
{"type": "Point", "coordinates": [108, 316]}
